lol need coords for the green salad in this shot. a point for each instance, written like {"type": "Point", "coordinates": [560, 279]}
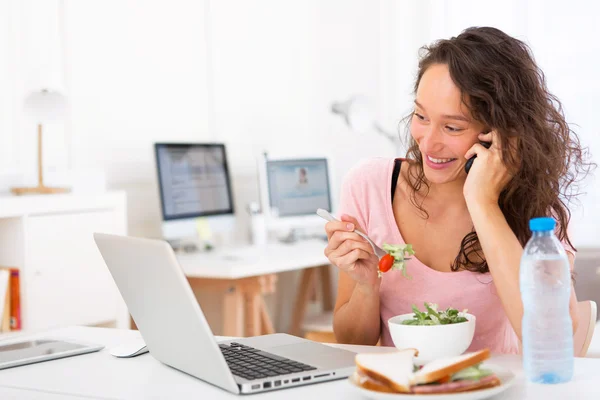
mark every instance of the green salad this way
{"type": "Point", "coordinates": [395, 259]}
{"type": "Point", "coordinates": [431, 316]}
{"type": "Point", "coordinates": [473, 373]}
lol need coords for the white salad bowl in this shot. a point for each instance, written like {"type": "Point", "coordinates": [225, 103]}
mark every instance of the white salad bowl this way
{"type": "Point", "coordinates": [432, 341]}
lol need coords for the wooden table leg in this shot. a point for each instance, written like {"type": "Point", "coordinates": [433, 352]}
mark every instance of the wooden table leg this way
{"type": "Point", "coordinates": [301, 300]}
{"type": "Point", "coordinates": [258, 321]}
{"type": "Point", "coordinates": [325, 273]}
{"type": "Point", "coordinates": [314, 289]}
{"type": "Point", "coordinates": [265, 319]}
{"type": "Point", "coordinates": [244, 309]}
{"type": "Point", "coordinates": [232, 312]}
{"type": "Point", "coordinates": [252, 313]}
{"type": "Point", "coordinates": [268, 285]}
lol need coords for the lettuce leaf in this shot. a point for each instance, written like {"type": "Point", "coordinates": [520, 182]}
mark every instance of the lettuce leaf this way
{"type": "Point", "coordinates": [431, 316]}
{"type": "Point", "coordinates": [473, 373]}
{"type": "Point", "coordinates": [400, 253]}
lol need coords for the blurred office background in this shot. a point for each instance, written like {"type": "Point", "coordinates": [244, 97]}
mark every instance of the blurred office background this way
{"type": "Point", "coordinates": [258, 76]}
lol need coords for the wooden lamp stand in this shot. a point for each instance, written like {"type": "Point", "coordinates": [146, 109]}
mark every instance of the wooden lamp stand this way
{"type": "Point", "coordinates": [40, 188]}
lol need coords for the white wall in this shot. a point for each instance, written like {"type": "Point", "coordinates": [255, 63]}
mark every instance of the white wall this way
{"type": "Point", "coordinates": [136, 75]}
{"type": "Point", "coordinates": [144, 79]}
{"type": "Point", "coordinates": [31, 56]}
{"type": "Point", "coordinates": [278, 66]}
{"type": "Point", "coordinates": [564, 36]}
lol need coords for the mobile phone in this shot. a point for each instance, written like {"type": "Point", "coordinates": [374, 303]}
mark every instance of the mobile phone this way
{"type": "Point", "coordinates": [469, 162]}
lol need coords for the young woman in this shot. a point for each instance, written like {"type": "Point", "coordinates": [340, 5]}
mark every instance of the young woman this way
{"type": "Point", "coordinates": [468, 230]}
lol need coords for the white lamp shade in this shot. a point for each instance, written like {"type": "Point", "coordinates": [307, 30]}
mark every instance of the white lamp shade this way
{"type": "Point", "coordinates": [361, 115]}
{"type": "Point", "coordinates": [45, 106]}
{"type": "Point", "coordinates": [358, 113]}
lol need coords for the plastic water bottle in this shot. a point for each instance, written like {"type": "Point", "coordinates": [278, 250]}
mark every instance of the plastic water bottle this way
{"type": "Point", "coordinates": [547, 330]}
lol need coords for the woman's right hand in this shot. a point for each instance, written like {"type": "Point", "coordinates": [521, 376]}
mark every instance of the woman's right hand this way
{"type": "Point", "coordinates": [351, 253]}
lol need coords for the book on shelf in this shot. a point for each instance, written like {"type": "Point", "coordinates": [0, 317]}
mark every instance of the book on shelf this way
{"type": "Point", "coordinates": [10, 300]}
{"type": "Point", "coordinates": [4, 300]}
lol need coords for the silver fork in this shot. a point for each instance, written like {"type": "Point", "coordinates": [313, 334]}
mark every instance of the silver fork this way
{"type": "Point", "coordinates": [379, 252]}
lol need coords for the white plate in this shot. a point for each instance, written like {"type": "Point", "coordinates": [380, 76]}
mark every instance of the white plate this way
{"type": "Point", "coordinates": [506, 377]}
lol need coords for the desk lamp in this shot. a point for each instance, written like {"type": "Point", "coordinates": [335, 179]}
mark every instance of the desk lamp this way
{"type": "Point", "coordinates": [359, 116]}
{"type": "Point", "coordinates": [43, 106]}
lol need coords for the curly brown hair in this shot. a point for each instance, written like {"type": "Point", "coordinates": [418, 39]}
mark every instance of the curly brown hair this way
{"type": "Point", "coordinates": [504, 88]}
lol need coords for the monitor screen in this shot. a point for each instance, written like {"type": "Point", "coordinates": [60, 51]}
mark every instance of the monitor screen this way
{"type": "Point", "coordinates": [298, 187]}
{"type": "Point", "coordinates": [193, 180]}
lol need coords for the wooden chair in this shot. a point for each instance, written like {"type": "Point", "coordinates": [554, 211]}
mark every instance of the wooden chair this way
{"type": "Point", "coordinates": [310, 281]}
{"type": "Point", "coordinates": [587, 312]}
{"type": "Point", "coordinates": [319, 328]}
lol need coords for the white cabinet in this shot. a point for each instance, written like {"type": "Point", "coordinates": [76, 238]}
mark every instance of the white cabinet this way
{"type": "Point", "coordinates": [64, 280]}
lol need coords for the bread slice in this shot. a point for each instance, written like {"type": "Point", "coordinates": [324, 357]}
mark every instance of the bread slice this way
{"type": "Point", "coordinates": [388, 369]}
{"type": "Point", "coordinates": [441, 368]}
{"type": "Point", "coordinates": [371, 384]}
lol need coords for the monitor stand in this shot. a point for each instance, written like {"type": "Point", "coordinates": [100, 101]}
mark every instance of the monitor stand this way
{"type": "Point", "coordinates": [199, 234]}
{"type": "Point", "coordinates": [291, 230]}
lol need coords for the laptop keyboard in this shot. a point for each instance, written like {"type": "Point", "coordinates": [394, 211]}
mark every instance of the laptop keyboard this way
{"type": "Point", "coordinates": [250, 363]}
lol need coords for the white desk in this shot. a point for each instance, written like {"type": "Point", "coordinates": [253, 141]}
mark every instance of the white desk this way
{"type": "Point", "coordinates": [250, 261]}
{"type": "Point", "coordinates": [7, 393]}
{"type": "Point", "coordinates": [99, 375]}
{"type": "Point", "coordinates": [245, 274]}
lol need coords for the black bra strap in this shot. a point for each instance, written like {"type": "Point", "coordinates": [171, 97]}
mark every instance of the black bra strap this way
{"type": "Point", "coordinates": [397, 163]}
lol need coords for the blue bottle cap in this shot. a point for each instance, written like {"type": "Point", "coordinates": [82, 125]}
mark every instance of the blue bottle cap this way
{"type": "Point", "coordinates": [542, 224]}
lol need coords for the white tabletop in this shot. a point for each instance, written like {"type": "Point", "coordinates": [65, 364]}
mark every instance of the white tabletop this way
{"type": "Point", "coordinates": [246, 261]}
{"type": "Point", "coordinates": [100, 375]}
{"type": "Point", "coordinates": [7, 393]}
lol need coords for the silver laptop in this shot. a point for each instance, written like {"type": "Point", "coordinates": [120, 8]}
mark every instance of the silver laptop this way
{"type": "Point", "coordinates": [175, 330]}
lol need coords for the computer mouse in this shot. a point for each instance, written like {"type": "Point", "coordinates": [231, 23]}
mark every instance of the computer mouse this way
{"type": "Point", "coordinates": [130, 349]}
{"type": "Point", "coordinates": [469, 162]}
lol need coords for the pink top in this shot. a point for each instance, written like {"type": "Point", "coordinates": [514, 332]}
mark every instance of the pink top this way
{"type": "Point", "coordinates": [366, 195]}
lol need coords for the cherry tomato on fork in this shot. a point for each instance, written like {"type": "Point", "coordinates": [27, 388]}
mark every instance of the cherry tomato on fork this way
{"type": "Point", "coordinates": [386, 263]}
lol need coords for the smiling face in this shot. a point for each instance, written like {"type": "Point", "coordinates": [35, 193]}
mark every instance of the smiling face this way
{"type": "Point", "coordinates": [442, 126]}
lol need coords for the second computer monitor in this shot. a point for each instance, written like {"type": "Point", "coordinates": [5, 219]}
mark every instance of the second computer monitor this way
{"type": "Point", "coordinates": [298, 187]}
{"type": "Point", "coordinates": [292, 189]}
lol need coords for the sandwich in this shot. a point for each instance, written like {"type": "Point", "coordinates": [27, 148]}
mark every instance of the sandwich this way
{"type": "Point", "coordinates": [396, 373]}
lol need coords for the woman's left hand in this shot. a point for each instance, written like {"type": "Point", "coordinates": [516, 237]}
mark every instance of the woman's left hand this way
{"type": "Point", "coordinates": [489, 175]}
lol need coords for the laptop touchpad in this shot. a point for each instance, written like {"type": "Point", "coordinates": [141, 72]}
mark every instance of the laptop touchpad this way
{"type": "Point", "coordinates": [316, 354]}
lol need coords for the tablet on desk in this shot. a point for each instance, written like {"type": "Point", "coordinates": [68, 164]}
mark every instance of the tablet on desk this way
{"type": "Point", "coordinates": [33, 351]}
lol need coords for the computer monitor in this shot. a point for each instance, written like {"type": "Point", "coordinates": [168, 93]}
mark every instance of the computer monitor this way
{"type": "Point", "coordinates": [292, 189]}
{"type": "Point", "coordinates": [194, 182]}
